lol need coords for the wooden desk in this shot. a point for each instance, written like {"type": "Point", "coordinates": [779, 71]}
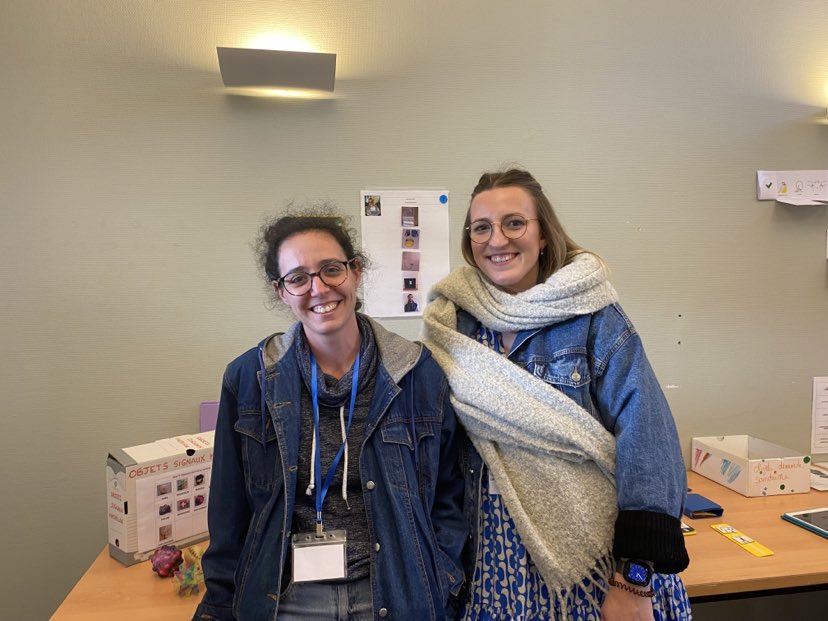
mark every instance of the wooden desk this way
{"type": "Point", "coordinates": [108, 591]}
{"type": "Point", "coordinates": [718, 567]}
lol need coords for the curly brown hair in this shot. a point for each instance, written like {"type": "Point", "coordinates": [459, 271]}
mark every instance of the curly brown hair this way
{"type": "Point", "coordinates": [293, 221]}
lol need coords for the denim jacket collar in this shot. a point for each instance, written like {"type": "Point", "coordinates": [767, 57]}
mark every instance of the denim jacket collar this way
{"type": "Point", "coordinates": [398, 355]}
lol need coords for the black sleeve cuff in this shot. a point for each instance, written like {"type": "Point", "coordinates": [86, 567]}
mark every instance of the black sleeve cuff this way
{"type": "Point", "coordinates": [651, 536]}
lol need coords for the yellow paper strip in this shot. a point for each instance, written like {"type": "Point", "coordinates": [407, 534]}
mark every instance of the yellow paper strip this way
{"type": "Point", "coordinates": [745, 542]}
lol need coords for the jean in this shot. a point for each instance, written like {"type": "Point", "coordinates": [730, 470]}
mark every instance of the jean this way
{"type": "Point", "coordinates": [325, 601]}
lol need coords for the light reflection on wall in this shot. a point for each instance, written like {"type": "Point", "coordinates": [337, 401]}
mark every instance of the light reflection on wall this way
{"type": "Point", "coordinates": [293, 93]}
{"type": "Point", "coordinates": [281, 41]}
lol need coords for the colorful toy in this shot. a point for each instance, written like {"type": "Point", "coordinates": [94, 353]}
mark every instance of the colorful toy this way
{"type": "Point", "coordinates": [165, 560]}
{"type": "Point", "coordinates": [189, 575]}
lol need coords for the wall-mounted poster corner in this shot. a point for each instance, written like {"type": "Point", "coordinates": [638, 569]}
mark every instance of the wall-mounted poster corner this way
{"type": "Point", "coordinates": [405, 232]}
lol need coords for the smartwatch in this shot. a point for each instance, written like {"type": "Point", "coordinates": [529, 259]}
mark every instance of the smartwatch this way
{"type": "Point", "coordinates": [636, 572]}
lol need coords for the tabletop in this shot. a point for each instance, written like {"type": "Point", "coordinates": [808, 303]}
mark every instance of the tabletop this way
{"type": "Point", "coordinates": [718, 567]}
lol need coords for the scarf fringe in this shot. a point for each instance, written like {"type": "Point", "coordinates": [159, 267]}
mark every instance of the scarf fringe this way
{"type": "Point", "coordinates": [561, 600]}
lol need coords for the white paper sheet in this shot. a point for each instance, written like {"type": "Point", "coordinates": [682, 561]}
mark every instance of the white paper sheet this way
{"type": "Point", "coordinates": [793, 187]}
{"type": "Point", "coordinates": [819, 424]}
{"type": "Point", "coordinates": [326, 562]}
{"type": "Point", "coordinates": [172, 506]}
{"type": "Point", "coordinates": [819, 477]}
{"type": "Point", "coordinates": [405, 233]}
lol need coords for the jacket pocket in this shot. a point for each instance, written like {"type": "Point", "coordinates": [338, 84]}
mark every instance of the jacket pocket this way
{"type": "Point", "coordinates": [568, 371]}
{"type": "Point", "coordinates": [399, 431]}
{"type": "Point", "coordinates": [402, 457]}
{"type": "Point", "coordinates": [567, 368]}
{"type": "Point", "coordinates": [258, 451]}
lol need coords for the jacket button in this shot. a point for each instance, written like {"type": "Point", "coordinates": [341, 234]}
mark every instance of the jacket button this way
{"type": "Point", "coordinates": [370, 485]}
{"type": "Point", "coordinates": [377, 547]}
{"type": "Point", "coordinates": [383, 612]}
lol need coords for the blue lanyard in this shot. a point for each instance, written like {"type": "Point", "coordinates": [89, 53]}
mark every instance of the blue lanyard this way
{"type": "Point", "coordinates": [322, 490]}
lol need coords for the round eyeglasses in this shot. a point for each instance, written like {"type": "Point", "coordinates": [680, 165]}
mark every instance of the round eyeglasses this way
{"type": "Point", "coordinates": [333, 274]}
{"type": "Point", "coordinates": [513, 226]}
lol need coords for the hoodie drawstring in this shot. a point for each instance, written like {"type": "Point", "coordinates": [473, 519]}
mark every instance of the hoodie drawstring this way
{"type": "Point", "coordinates": [345, 465]}
{"type": "Point", "coordinates": [312, 485]}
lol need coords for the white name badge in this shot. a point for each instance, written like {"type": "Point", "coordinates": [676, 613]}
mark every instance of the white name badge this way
{"type": "Point", "coordinates": [494, 490]}
{"type": "Point", "coordinates": [316, 559]}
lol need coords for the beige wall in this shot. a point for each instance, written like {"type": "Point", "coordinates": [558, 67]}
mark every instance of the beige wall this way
{"type": "Point", "coordinates": [131, 187]}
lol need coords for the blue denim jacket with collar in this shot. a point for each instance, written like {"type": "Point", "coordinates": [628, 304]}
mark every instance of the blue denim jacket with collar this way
{"type": "Point", "coordinates": [598, 361]}
{"type": "Point", "coordinates": [412, 483]}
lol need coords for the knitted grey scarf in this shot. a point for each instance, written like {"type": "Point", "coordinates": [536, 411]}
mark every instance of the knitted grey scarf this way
{"type": "Point", "coordinates": [553, 462]}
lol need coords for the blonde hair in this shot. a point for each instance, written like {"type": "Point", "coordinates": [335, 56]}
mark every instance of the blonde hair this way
{"type": "Point", "coordinates": [560, 247]}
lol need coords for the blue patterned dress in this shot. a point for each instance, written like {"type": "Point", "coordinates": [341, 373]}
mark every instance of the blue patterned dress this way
{"type": "Point", "coordinates": [507, 586]}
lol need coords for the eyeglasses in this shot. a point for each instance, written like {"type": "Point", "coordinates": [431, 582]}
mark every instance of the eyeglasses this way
{"type": "Point", "coordinates": [513, 226]}
{"type": "Point", "coordinates": [333, 274]}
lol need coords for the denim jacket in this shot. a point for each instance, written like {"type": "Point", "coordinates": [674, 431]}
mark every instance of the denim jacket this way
{"type": "Point", "coordinates": [414, 517]}
{"type": "Point", "coordinates": [598, 361]}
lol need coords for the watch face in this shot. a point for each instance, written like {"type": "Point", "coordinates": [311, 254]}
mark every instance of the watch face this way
{"type": "Point", "coordinates": [637, 573]}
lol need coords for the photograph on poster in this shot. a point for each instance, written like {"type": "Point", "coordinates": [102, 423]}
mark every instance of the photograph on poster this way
{"type": "Point", "coordinates": [410, 215]}
{"type": "Point", "coordinates": [408, 244]}
{"type": "Point", "coordinates": [411, 239]}
{"type": "Point", "coordinates": [411, 261]}
{"type": "Point", "coordinates": [373, 205]}
{"type": "Point", "coordinates": [410, 304]}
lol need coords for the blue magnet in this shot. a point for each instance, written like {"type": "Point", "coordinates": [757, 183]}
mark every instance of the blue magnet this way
{"type": "Point", "coordinates": [443, 199]}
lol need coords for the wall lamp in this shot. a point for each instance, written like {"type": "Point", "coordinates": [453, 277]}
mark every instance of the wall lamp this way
{"type": "Point", "coordinates": [276, 69]}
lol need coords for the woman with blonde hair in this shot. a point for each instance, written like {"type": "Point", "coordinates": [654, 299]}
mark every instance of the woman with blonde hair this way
{"type": "Point", "coordinates": [575, 481]}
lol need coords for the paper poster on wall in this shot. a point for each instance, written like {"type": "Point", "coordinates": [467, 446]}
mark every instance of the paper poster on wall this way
{"type": "Point", "coordinates": [793, 187]}
{"type": "Point", "coordinates": [819, 421]}
{"type": "Point", "coordinates": [405, 232]}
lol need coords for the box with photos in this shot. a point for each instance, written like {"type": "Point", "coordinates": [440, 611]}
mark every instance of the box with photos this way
{"type": "Point", "coordinates": [157, 494]}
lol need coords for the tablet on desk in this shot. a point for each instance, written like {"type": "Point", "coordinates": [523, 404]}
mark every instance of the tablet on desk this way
{"type": "Point", "coordinates": [815, 520]}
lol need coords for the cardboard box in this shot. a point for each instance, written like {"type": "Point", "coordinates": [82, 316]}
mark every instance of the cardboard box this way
{"type": "Point", "coordinates": [751, 466]}
{"type": "Point", "coordinates": [157, 494]}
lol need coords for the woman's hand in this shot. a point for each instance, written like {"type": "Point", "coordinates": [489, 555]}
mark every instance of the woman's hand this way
{"type": "Point", "coordinates": [621, 605]}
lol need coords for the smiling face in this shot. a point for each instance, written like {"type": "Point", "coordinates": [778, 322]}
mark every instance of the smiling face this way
{"type": "Point", "coordinates": [325, 312]}
{"type": "Point", "coordinates": [511, 264]}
